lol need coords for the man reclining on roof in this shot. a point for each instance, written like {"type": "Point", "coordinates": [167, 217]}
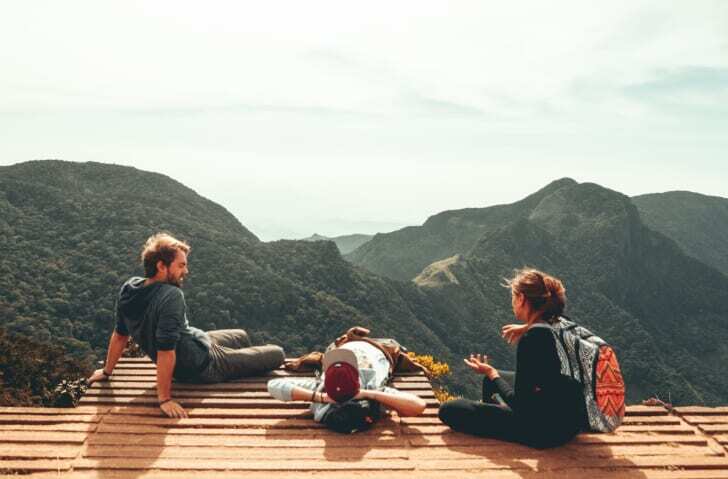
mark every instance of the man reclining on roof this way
{"type": "Point", "coordinates": [153, 311]}
{"type": "Point", "coordinates": [347, 396]}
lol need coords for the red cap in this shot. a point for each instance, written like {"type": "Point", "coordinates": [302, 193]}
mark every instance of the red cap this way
{"type": "Point", "coordinates": [341, 381]}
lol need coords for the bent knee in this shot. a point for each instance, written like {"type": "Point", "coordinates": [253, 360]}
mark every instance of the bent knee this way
{"type": "Point", "coordinates": [274, 385]}
{"type": "Point", "coordinates": [281, 352]}
{"type": "Point", "coordinates": [276, 354]}
{"type": "Point", "coordinates": [452, 412]}
{"type": "Point", "coordinates": [447, 411]}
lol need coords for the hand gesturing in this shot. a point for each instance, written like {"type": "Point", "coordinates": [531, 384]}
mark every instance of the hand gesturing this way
{"type": "Point", "coordinates": [513, 332]}
{"type": "Point", "coordinates": [479, 364]}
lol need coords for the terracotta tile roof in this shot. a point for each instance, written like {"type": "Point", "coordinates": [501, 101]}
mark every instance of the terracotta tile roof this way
{"type": "Point", "coordinates": [236, 429]}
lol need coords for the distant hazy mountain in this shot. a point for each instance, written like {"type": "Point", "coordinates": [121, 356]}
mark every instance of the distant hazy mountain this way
{"type": "Point", "coordinates": [404, 253]}
{"type": "Point", "coordinates": [71, 234]}
{"type": "Point", "coordinates": [345, 243]}
{"type": "Point", "coordinates": [698, 223]}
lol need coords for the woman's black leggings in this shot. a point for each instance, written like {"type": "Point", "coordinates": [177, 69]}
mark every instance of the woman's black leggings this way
{"type": "Point", "coordinates": [490, 417]}
{"type": "Point", "coordinates": [493, 418]}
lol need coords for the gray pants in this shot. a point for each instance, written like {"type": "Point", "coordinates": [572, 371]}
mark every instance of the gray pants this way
{"type": "Point", "coordinates": [233, 356]}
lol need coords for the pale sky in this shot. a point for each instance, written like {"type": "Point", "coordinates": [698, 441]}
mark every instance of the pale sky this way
{"type": "Point", "coordinates": [356, 117]}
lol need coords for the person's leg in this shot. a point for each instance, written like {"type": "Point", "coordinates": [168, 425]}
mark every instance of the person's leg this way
{"type": "Point", "coordinates": [480, 419]}
{"type": "Point", "coordinates": [282, 388]}
{"type": "Point", "coordinates": [228, 363]}
{"type": "Point", "coordinates": [489, 390]}
{"type": "Point", "coordinates": [230, 338]}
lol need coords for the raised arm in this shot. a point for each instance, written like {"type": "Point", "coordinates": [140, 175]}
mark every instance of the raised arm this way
{"type": "Point", "coordinates": [303, 394]}
{"type": "Point", "coordinates": [117, 342]}
{"type": "Point", "coordinates": [406, 404]}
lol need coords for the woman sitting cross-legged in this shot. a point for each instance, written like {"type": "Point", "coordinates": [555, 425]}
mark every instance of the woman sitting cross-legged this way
{"type": "Point", "coordinates": [538, 405]}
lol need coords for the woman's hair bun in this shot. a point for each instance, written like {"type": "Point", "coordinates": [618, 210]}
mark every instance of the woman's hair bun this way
{"type": "Point", "coordinates": [543, 292]}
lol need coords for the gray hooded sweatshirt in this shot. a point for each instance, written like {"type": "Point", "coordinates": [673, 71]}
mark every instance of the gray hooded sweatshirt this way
{"type": "Point", "coordinates": [155, 316]}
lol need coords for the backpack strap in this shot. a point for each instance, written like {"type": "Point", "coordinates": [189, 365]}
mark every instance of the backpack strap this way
{"type": "Point", "coordinates": [541, 325]}
{"type": "Point", "coordinates": [567, 367]}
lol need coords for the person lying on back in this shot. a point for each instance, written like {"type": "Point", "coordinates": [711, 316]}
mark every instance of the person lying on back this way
{"type": "Point", "coordinates": [350, 392]}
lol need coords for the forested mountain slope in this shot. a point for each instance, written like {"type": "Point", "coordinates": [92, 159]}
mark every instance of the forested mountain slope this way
{"type": "Point", "coordinates": [698, 223]}
{"type": "Point", "coordinates": [404, 253]}
{"type": "Point", "coordinates": [71, 234]}
{"type": "Point", "coordinates": [664, 311]}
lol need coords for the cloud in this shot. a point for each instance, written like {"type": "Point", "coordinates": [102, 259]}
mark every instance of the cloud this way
{"type": "Point", "coordinates": [693, 91]}
{"type": "Point", "coordinates": [414, 103]}
{"type": "Point", "coordinates": [692, 79]}
{"type": "Point", "coordinates": [415, 95]}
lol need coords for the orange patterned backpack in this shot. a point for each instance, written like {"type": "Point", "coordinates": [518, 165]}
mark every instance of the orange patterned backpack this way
{"type": "Point", "coordinates": [593, 363]}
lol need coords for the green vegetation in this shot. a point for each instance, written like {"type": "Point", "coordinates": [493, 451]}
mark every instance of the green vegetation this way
{"type": "Point", "coordinates": [30, 370]}
{"type": "Point", "coordinates": [663, 310]}
{"type": "Point", "coordinates": [697, 223]}
{"type": "Point", "coordinates": [403, 254]}
{"type": "Point", "coordinates": [71, 234]}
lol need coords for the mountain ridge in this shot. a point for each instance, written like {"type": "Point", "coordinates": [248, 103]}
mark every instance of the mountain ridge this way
{"type": "Point", "coordinates": [345, 243]}
{"type": "Point", "coordinates": [70, 247]}
{"type": "Point", "coordinates": [697, 222]}
{"type": "Point", "coordinates": [615, 268]}
{"type": "Point", "coordinates": [418, 246]}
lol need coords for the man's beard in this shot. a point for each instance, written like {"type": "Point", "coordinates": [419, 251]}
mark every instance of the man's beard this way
{"type": "Point", "coordinates": [174, 281]}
